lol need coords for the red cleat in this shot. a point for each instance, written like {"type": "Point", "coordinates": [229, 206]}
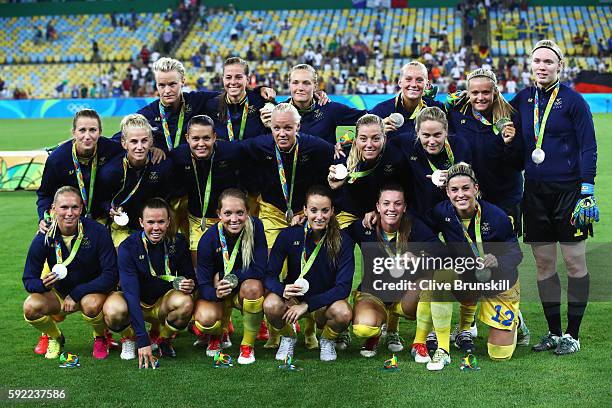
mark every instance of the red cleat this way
{"type": "Point", "coordinates": [100, 348]}
{"type": "Point", "coordinates": [230, 327]}
{"type": "Point", "coordinates": [263, 334]}
{"type": "Point", "coordinates": [43, 343]}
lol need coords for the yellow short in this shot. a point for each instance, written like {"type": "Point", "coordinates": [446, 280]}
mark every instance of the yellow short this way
{"type": "Point", "coordinates": [179, 208]}
{"type": "Point", "coordinates": [501, 311]}
{"type": "Point", "coordinates": [195, 230]}
{"type": "Point", "coordinates": [273, 221]}
{"type": "Point", "coordinates": [119, 234]}
{"type": "Point", "coordinates": [345, 219]}
{"type": "Point", "coordinates": [151, 312]}
{"type": "Point", "coordinates": [368, 297]}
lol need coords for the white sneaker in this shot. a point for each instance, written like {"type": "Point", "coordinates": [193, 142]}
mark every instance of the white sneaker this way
{"type": "Point", "coordinates": [439, 360]}
{"type": "Point", "coordinates": [394, 342]}
{"type": "Point", "coordinates": [128, 349]}
{"type": "Point", "coordinates": [247, 354]}
{"type": "Point", "coordinates": [226, 342]}
{"type": "Point", "coordinates": [328, 349]}
{"type": "Point", "coordinates": [286, 347]}
{"type": "Point", "coordinates": [473, 331]}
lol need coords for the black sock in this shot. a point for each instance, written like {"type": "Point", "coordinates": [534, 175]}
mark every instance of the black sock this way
{"type": "Point", "coordinates": [550, 296]}
{"type": "Point", "coordinates": [577, 299]}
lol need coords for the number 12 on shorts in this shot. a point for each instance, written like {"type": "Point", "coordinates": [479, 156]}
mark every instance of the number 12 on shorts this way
{"type": "Point", "coordinates": [508, 313]}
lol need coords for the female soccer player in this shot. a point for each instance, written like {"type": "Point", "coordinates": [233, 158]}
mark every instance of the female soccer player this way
{"type": "Point", "coordinates": [560, 158]}
{"type": "Point", "coordinates": [408, 102]}
{"type": "Point", "coordinates": [395, 234]}
{"type": "Point", "coordinates": [430, 156]}
{"type": "Point", "coordinates": [369, 165]}
{"type": "Point", "coordinates": [83, 271]}
{"type": "Point", "coordinates": [475, 228]}
{"type": "Point", "coordinates": [320, 265]}
{"type": "Point", "coordinates": [77, 164]}
{"type": "Point", "coordinates": [232, 258]}
{"type": "Point", "coordinates": [157, 280]}
{"type": "Point", "coordinates": [317, 119]}
{"type": "Point", "coordinates": [130, 179]}
{"type": "Point", "coordinates": [484, 119]}
{"type": "Point", "coordinates": [203, 169]}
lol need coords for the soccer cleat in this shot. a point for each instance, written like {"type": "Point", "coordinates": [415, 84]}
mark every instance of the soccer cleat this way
{"type": "Point", "coordinates": [394, 342]}
{"type": "Point", "coordinates": [286, 347]}
{"type": "Point", "coordinates": [439, 360]}
{"type": "Point", "coordinates": [343, 341]}
{"type": "Point", "coordinates": [154, 337]}
{"type": "Point", "coordinates": [110, 341]}
{"type": "Point", "coordinates": [263, 334]}
{"type": "Point", "coordinates": [383, 330]}
{"type": "Point", "coordinates": [328, 349]}
{"type": "Point", "coordinates": [524, 335]}
{"type": "Point", "coordinates": [201, 341]}
{"type": "Point", "coordinates": [214, 345]}
{"type": "Point", "coordinates": [432, 343]}
{"type": "Point", "coordinates": [226, 342]}
{"type": "Point", "coordinates": [420, 353]}
{"type": "Point", "coordinates": [230, 327]}
{"type": "Point", "coordinates": [100, 349]}
{"type": "Point", "coordinates": [567, 345]}
{"type": "Point", "coordinates": [166, 349]}
{"type": "Point", "coordinates": [311, 341]}
{"type": "Point", "coordinates": [464, 342]}
{"type": "Point", "coordinates": [54, 349]}
{"type": "Point", "coordinates": [247, 354]}
{"type": "Point", "coordinates": [548, 342]}
{"type": "Point", "coordinates": [473, 331]}
{"type": "Point", "coordinates": [43, 343]}
{"type": "Point", "coordinates": [369, 347]}
{"type": "Point", "coordinates": [128, 349]}
{"type": "Point", "coordinates": [273, 341]}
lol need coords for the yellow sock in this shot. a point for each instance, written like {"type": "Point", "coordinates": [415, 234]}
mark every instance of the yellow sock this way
{"type": "Point", "coordinates": [97, 324]}
{"type": "Point", "coordinates": [287, 331]}
{"type": "Point", "coordinates": [365, 331]}
{"type": "Point", "coordinates": [167, 331]}
{"type": "Point", "coordinates": [128, 332]}
{"type": "Point", "coordinates": [216, 329]}
{"type": "Point", "coordinates": [309, 325]}
{"type": "Point", "coordinates": [272, 331]}
{"type": "Point", "coordinates": [423, 322]}
{"type": "Point", "coordinates": [46, 325]}
{"type": "Point", "coordinates": [329, 333]}
{"type": "Point", "coordinates": [441, 316]}
{"type": "Point", "coordinates": [466, 316]}
{"type": "Point", "coordinates": [500, 353]}
{"type": "Point", "coordinates": [252, 313]}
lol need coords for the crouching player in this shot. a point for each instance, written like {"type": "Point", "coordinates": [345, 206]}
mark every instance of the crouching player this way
{"type": "Point", "coordinates": [320, 268]}
{"type": "Point", "coordinates": [232, 257]}
{"type": "Point", "coordinates": [157, 280]}
{"type": "Point", "coordinates": [83, 271]}
{"type": "Point", "coordinates": [464, 219]}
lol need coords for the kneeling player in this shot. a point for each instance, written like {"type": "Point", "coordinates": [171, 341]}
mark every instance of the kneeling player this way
{"type": "Point", "coordinates": [320, 272]}
{"type": "Point", "coordinates": [232, 257]}
{"type": "Point", "coordinates": [157, 280]}
{"type": "Point", "coordinates": [83, 270]}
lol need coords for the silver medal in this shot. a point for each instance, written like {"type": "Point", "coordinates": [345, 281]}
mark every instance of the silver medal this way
{"type": "Point", "coordinates": [60, 271]}
{"type": "Point", "coordinates": [483, 275]}
{"type": "Point", "coordinates": [341, 172]}
{"type": "Point", "coordinates": [176, 283]}
{"type": "Point", "coordinates": [121, 219]}
{"type": "Point", "coordinates": [436, 178]}
{"type": "Point", "coordinates": [302, 283]}
{"type": "Point", "coordinates": [203, 224]}
{"type": "Point", "coordinates": [231, 279]}
{"type": "Point", "coordinates": [538, 156]}
{"type": "Point", "coordinates": [289, 215]}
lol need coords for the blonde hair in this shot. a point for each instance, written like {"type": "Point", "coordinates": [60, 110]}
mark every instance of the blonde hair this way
{"type": "Point", "coordinates": [60, 192]}
{"type": "Point", "coordinates": [415, 63]}
{"type": "Point", "coordinates": [356, 155]}
{"type": "Point", "coordinates": [166, 64]}
{"type": "Point", "coordinates": [430, 113]}
{"type": "Point", "coordinates": [247, 248]}
{"type": "Point", "coordinates": [461, 169]}
{"type": "Point", "coordinates": [551, 45]}
{"type": "Point", "coordinates": [305, 67]}
{"type": "Point", "coordinates": [135, 121]}
{"type": "Point", "coordinates": [287, 107]}
{"type": "Point", "coordinates": [500, 107]}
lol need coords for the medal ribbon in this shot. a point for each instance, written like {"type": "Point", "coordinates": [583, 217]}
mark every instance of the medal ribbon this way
{"type": "Point", "coordinates": [230, 127]}
{"type": "Point", "coordinates": [125, 168]}
{"type": "Point", "coordinates": [484, 121]}
{"type": "Point", "coordinates": [387, 243]}
{"type": "Point", "coordinates": [309, 109]}
{"type": "Point", "coordinates": [307, 262]}
{"type": "Point", "coordinates": [168, 273]}
{"type": "Point", "coordinates": [228, 261]}
{"type": "Point", "coordinates": [477, 247]}
{"type": "Point", "coordinates": [538, 128]}
{"type": "Point", "coordinates": [354, 175]}
{"type": "Point", "coordinates": [287, 191]}
{"type": "Point", "coordinates": [400, 100]}
{"type": "Point", "coordinates": [179, 126]}
{"type": "Point", "coordinates": [204, 203]}
{"type": "Point", "coordinates": [73, 251]}
{"type": "Point", "coordinates": [449, 153]}
{"type": "Point", "coordinates": [79, 175]}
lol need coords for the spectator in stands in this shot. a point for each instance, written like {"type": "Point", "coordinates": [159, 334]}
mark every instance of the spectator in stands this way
{"type": "Point", "coordinates": [196, 60]}
{"type": "Point", "coordinates": [414, 48]}
{"type": "Point", "coordinates": [601, 48]}
{"type": "Point", "coordinates": [167, 41]}
{"type": "Point", "coordinates": [74, 94]}
{"type": "Point", "coordinates": [51, 33]}
{"type": "Point", "coordinates": [84, 91]}
{"type": "Point", "coordinates": [577, 40]}
{"type": "Point", "coordinates": [277, 49]}
{"type": "Point", "coordinates": [286, 25]}
{"type": "Point", "coordinates": [37, 35]}
{"type": "Point", "coordinates": [396, 48]}
{"type": "Point", "coordinates": [208, 62]}
{"type": "Point", "coordinates": [95, 51]}
{"type": "Point", "coordinates": [114, 19]}
{"type": "Point", "coordinates": [511, 85]}
{"type": "Point", "coordinates": [234, 34]}
{"type": "Point", "coordinates": [145, 55]}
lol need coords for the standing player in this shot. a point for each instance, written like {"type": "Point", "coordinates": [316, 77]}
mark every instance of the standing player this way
{"type": "Point", "coordinates": [130, 179]}
{"type": "Point", "coordinates": [560, 158]}
{"type": "Point", "coordinates": [320, 265]}
{"type": "Point", "coordinates": [157, 280]}
{"type": "Point", "coordinates": [232, 258]}
{"type": "Point", "coordinates": [83, 271]}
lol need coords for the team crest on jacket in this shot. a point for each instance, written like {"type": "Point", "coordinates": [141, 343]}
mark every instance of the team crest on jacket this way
{"type": "Point", "coordinates": [388, 168]}
{"type": "Point", "coordinates": [252, 109]}
{"type": "Point", "coordinates": [485, 228]}
{"type": "Point", "coordinates": [222, 164]}
{"type": "Point", "coordinates": [171, 249]}
{"type": "Point", "coordinates": [530, 100]}
{"type": "Point", "coordinates": [318, 115]}
{"type": "Point", "coordinates": [141, 257]}
{"type": "Point", "coordinates": [102, 160]}
{"type": "Point", "coordinates": [413, 158]}
{"type": "Point", "coordinates": [305, 158]}
{"type": "Point", "coordinates": [297, 243]}
{"type": "Point", "coordinates": [85, 242]}
{"type": "Point", "coordinates": [558, 104]}
{"type": "Point", "coordinates": [187, 108]}
{"type": "Point", "coordinates": [153, 176]}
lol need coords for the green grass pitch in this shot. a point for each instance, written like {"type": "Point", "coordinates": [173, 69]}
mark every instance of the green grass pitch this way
{"type": "Point", "coordinates": [528, 379]}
